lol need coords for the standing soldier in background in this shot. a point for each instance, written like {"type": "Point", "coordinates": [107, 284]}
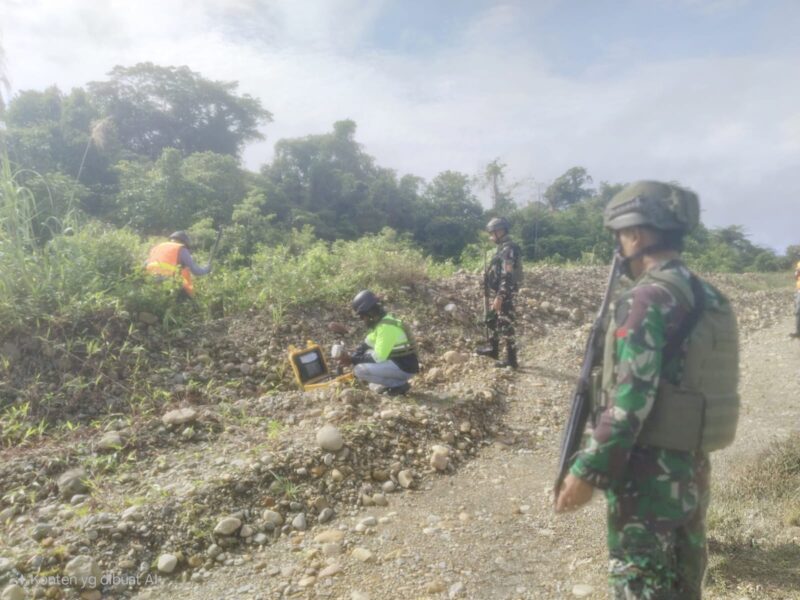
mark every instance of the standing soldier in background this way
{"type": "Point", "coordinates": [796, 333]}
{"type": "Point", "coordinates": [668, 396]}
{"type": "Point", "coordinates": [501, 282]}
{"type": "Point", "coordinates": [168, 259]}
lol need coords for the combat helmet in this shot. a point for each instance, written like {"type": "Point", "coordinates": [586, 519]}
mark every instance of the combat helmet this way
{"type": "Point", "coordinates": [662, 206]}
{"type": "Point", "coordinates": [498, 223]}
{"type": "Point", "coordinates": [181, 237]}
{"type": "Point", "coordinates": [364, 301]}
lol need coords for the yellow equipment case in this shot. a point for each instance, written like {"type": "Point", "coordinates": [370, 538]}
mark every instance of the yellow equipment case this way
{"type": "Point", "coordinates": [311, 370]}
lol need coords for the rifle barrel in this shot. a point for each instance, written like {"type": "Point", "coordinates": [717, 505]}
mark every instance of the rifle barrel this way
{"type": "Point", "coordinates": [580, 405]}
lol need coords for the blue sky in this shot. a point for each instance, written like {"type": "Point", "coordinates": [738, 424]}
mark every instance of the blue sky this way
{"type": "Point", "coordinates": [704, 92]}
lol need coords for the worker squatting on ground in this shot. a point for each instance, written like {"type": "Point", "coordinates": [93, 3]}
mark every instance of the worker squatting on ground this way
{"type": "Point", "coordinates": [388, 355]}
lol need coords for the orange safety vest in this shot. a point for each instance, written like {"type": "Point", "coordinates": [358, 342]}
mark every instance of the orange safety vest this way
{"type": "Point", "coordinates": [163, 262]}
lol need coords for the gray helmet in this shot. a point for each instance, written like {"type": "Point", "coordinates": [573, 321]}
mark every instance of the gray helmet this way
{"type": "Point", "coordinates": [662, 206]}
{"type": "Point", "coordinates": [498, 223]}
{"type": "Point", "coordinates": [363, 302]}
{"type": "Point", "coordinates": [181, 237]}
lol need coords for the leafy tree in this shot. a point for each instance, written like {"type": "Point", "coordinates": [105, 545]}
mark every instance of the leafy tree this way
{"type": "Point", "coordinates": [156, 107]}
{"type": "Point", "coordinates": [49, 132]}
{"type": "Point", "coordinates": [568, 189]}
{"type": "Point", "coordinates": [727, 249]}
{"type": "Point", "coordinates": [793, 254]}
{"type": "Point", "coordinates": [533, 223]}
{"type": "Point", "coordinates": [607, 191]}
{"type": "Point", "coordinates": [32, 108]}
{"type": "Point", "coordinates": [222, 179]}
{"type": "Point", "coordinates": [332, 184]}
{"type": "Point", "coordinates": [34, 133]}
{"type": "Point", "coordinates": [574, 233]}
{"type": "Point", "coordinates": [450, 216]}
{"type": "Point", "coordinates": [253, 223]}
{"type": "Point", "coordinates": [173, 193]}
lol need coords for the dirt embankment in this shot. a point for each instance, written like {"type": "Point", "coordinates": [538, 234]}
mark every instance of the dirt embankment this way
{"type": "Point", "coordinates": [235, 490]}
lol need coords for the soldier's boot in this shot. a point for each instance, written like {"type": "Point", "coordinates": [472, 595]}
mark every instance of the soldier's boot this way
{"type": "Point", "coordinates": [511, 358]}
{"type": "Point", "coordinates": [491, 350]}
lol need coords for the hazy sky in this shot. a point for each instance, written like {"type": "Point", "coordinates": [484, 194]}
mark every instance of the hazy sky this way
{"type": "Point", "coordinates": [704, 92]}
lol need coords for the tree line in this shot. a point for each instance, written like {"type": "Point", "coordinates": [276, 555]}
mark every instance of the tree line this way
{"type": "Point", "coordinates": [157, 149]}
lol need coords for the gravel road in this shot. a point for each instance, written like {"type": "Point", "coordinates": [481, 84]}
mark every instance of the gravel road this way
{"type": "Point", "coordinates": [488, 531]}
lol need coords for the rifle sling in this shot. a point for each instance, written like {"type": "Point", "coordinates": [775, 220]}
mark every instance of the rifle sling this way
{"type": "Point", "coordinates": [673, 346]}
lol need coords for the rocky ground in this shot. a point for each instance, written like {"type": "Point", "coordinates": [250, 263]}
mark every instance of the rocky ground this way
{"type": "Point", "coordinates": [238, 486]}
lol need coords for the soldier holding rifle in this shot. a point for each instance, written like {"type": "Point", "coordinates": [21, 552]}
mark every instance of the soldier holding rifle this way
{"type": "Point", "coordinates": [501, 281]}
{"type": "Point", "coordinates": [666, 396]}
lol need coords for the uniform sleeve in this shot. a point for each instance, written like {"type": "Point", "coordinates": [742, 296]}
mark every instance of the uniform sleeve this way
{"type": "Point", "coordinates": [185, 258]}
{"type": "Point", "coordinates": [640, 337]}
{"type": "Point", "coordinates": [507, 261]}
{"type": "Point", "coordinates": [386, 337]}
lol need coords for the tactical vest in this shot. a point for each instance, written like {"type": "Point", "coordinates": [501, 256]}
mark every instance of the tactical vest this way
{"type": "Point", "coordinates": [495, 270]}
{"type": "Point", "coordinates": [702, 411]}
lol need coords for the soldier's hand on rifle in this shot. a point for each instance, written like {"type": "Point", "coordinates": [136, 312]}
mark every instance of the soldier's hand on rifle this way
{"type": "Point", "coordinates": [497, 304]}
{"type": "Point", "coordinates": [573, 494]}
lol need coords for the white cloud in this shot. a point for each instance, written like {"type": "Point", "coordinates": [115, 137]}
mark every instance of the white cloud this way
{"type": "Point", "coordinates": [727, 127]}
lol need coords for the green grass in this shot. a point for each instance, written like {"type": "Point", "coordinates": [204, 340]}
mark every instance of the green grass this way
{"type": "Point", "coordinates": [754, 282]}
{"type": "Point", "coordinates": [752, 525]}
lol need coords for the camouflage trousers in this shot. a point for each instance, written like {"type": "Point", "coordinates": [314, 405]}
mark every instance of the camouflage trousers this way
{"type": "Point", "coordinates": [501, 326]}
{"type": "Point", "coordinates": [656, 527]}
{"type": "Point", "coordinates": [797, 311]}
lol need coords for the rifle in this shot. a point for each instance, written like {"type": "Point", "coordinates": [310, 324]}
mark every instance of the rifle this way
{"type": "Point", "coordinates": [581, 401]}
{"type": "Point", "coordinates": [214, 248]}
{"type": "Point", "coordinates": [485, 298]}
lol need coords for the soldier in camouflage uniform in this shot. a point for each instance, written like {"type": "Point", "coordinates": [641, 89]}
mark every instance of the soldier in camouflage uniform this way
{"type": "Point", "coordinates": [656, 497]}
{"type": "Point", "coordinates": [501, 283]}
{"type": "Point", "coordinates": [796, 333]}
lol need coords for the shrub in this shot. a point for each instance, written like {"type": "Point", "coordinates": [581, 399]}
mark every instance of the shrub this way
{"type": "Point", "coordinates": [308, 271]}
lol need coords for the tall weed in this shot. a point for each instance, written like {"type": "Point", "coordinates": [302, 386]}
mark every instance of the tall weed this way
{"type": "Point", "coordinates": [323, 272]}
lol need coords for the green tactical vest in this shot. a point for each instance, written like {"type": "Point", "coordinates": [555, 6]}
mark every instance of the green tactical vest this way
{"type": "Point", "coordinates": [702, 411]}
{"type": "Point", "coordinates": [492, 276]}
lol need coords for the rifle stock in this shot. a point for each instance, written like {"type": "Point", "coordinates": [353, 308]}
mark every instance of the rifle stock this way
{"type": "Point", "coordinates": [581, 401]}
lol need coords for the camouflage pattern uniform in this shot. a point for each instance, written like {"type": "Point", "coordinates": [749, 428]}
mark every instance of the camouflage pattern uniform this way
{"type": "Point", "coordinates": [797, 301]}
{"type": "Point", "coordinates": [657, 498]}
{"type": "Point", "coordinates": [499, 281]}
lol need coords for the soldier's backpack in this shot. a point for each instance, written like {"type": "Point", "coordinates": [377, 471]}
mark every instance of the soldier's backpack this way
{"type": "Point", "coordinates": [700, 413]}
{"type": "Point", "coordinates": [518, 275]}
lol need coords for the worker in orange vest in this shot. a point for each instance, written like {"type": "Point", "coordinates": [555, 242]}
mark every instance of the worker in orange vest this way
{"type": "Point", "coordinates": [171, 258]}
